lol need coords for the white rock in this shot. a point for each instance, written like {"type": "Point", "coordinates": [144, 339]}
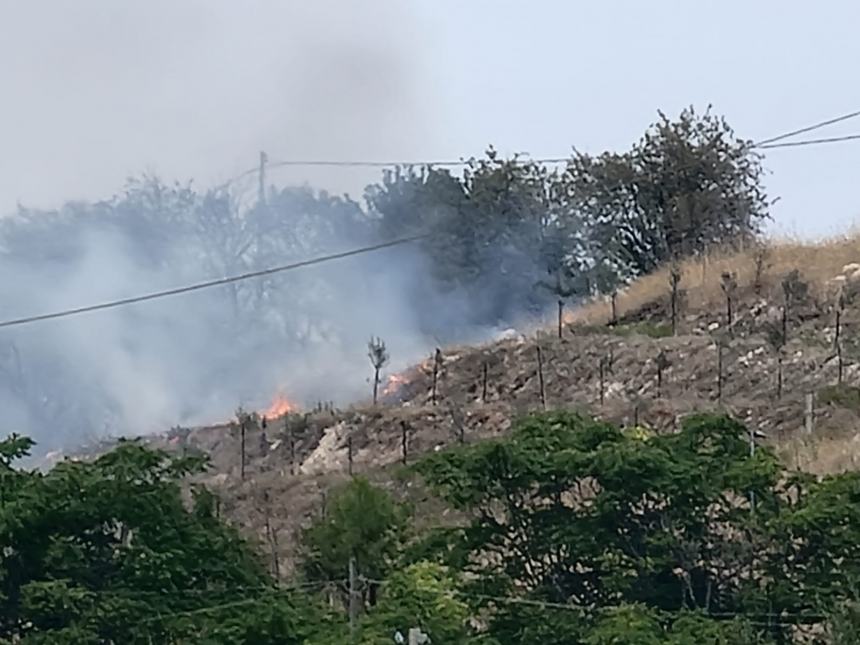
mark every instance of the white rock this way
{"type": "Point", "coordinates": [507, 334]}
{"type": "Point", "coordinates": [850, 268]}
{"type": "Point", "coordinates": [713, 326]}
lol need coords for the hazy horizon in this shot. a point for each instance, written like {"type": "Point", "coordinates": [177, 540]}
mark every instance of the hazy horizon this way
{"type": "Point", "coordinates": [193, 90]}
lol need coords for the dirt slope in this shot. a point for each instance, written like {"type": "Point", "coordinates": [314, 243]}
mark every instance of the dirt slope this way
{"type": "Point", "coordinates": [294, 461]}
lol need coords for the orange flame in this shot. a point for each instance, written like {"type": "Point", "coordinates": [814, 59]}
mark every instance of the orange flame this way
{"type": "Point", "coordinates": [395, 381]}
{"type": "Point", "coordinates": [281, 405]}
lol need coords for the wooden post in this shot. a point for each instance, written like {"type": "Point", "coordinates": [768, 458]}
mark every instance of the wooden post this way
{"type": "Point", "coordinates": [484, 383]}
{"type": "Point", "coordinates": [261, 189]}
{"type": "Point", "coordinates": [838, 328]}
{"type": "Point", "coordinates": [840, 363]}
{"type": "Point", "coordinates": [437, 362]}
{"type": "Point", "coordinates": [540, 378]}
{"type": "Point", "coordinates": [779, 375]}
{"type": "Point", "coordinates": [613, 303]}
{"type": "Point", "coordinates": [271, 536]}
{"type": "Point", "coordinates": [636, 415]}
{"type": "Point", "coordinates": [719, 372]}
{"type": "Point", "coordinates": [242, 448]}
{"type": "Point", "coordinates": [810, 413]}
{"type": "Point", "coordinates": [291, 440]}
{"type": "Point", "coordinates": [353, 596]}
{"type": "Point", "coordinates": [404, 440]}
{"type": "Point", "coordinates": [349, 454]}
{"type": "Point", "coordinates": [560, 316]}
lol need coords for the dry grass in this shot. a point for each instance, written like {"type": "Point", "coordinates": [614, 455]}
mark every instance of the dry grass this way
{"type": "Point", "coordinates": [817, 262]}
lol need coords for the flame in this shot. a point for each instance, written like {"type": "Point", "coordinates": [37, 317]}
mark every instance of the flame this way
{"type": "Point", "coordinates": [280, 406]}
{"type": "Point", "coordinates": [395, 382]}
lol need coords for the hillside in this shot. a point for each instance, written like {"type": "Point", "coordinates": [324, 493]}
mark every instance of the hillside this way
{"type": "Point", "coordinates": [282, 494]}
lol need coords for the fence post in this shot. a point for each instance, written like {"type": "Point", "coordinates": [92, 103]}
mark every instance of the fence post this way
{"type": "Point", "coordinates": [810, 413]}
{"type": "Point", "coordinates": [540, 378]}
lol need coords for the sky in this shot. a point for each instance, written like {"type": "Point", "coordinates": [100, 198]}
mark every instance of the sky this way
{"type": "Point", "coordinates": [94, 91]}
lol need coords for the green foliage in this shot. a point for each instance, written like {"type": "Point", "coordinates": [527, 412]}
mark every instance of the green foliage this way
{"type": "Point", "coordinates": [688, 185]}
{"type": "Point", "coordinates": [361, 522]}
{"type": "Point", "coordinates": [577, 511]}
{"type": "Point", "coordinates": [108, 552]}
{"type": "Point", "coordinates": [844, 624]}
{"type": "Point", "coordinates": [638, 625]}
{"type": "Point", "coordinates": [421, 595]}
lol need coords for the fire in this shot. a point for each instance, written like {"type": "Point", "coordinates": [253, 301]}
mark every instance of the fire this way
{"type": "Point", "coordinates": [281, 405]}
{"type": "Point", "coordinates": [395, 382]}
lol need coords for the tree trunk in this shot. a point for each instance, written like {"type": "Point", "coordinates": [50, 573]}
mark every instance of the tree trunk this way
{"type": "Point", "coordinates": [375, 384]}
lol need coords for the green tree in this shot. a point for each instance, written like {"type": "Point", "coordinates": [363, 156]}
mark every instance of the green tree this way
{"type": "Point", "coordinates": [687, 186]}
{"type": "Point", "coordinates": [422, 595]}
{"type": "Point", "coordinates": [638, 625]}
{"type": "Point", "coordinates": [361, 522]}
{"type": "Point", "coordinates": [576, 511]}
{"type": "Point", "coordinates": [495, 232]}
{"type": "Point", "coordinates": [108, 551]}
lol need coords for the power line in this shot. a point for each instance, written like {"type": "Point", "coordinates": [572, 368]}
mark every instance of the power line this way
{"type": "Point", "coordinates": [808, 128]}
{"type": "Point", "coordinates": [763, 144]}
{"type": "Point", "coordinates": [302, 586]}
{"type": "Point", "coordinates": [546, 604]}
{"type": "Point", "coordinates": [211, 283]}
{"type": "Point", "coordinates": [809, 142]}
{"type": "Point", "coordinates": [452, 163]}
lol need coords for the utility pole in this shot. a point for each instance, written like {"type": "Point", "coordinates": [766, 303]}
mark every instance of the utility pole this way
{"type": "Point", "coordinates": [353, 598]}
{"type": "Point", "coordinates": [242, 447]}
{"type": "Point", "coordinates": [261, 191]}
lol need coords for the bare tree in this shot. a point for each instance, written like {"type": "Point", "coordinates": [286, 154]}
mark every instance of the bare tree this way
{"type": "Point", "coordinates": [775, 335]}
{"type": "Point", "coordinates": [378, 355]}
{"type": "Point", "coordinates": [729, 285]}
{"type": "Point", "coordinates": [562, 287]}
{"type": "Point", "coordinates": [761, 257]}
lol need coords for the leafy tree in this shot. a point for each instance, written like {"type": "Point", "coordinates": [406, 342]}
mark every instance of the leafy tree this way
{"type": "Point", "coordinates": [493, 233]}
{"type": "Point", "coordinates": [361, 522]}
{"type": "Point", "coordinates": [108, 551]}
{"type": "Point", "coordinates": [638, 625]}
{"type": "Point", "coordinates": [378, 355]}
{"type": "Point", "coordinates": [688, 185]}
{"type": "Point", "coordinates": [421, 595]}
{"type": "Point", "coordinates": [576, 511]}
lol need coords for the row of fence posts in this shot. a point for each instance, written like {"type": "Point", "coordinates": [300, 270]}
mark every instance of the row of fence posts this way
{"type": "Point", "coordinates": [604, 368]}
